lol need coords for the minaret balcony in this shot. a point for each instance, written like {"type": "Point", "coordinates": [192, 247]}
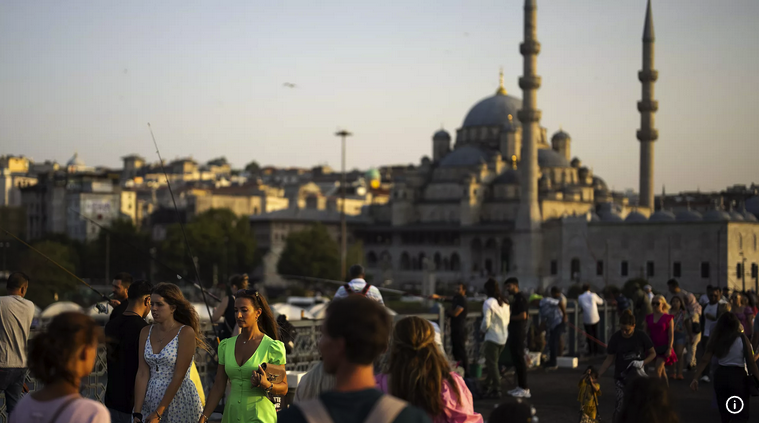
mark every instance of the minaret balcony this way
{"type": "Point", "coordinates": [647, 134]}
{"type": "Point", "coordinates": [648, 106]}
{"type": "Point", "coordinates": [529, 82]}
{"type": "Point", "coordinates": [529, 47]}
{"type": "Point", "coordinates": [648, 75]}
{"type": "Point", "coordinates": [526, 116]}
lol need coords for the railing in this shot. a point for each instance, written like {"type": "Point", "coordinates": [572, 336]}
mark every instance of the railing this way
{"type": "Point", "coordinates": [306, 352]}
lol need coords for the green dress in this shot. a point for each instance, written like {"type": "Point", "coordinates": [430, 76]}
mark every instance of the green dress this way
{"type": "Point", "coordinates": [245, 403]}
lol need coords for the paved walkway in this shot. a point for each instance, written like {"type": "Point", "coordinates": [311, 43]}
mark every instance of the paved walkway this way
{"type": "Point", "coordinates": [554, 396]}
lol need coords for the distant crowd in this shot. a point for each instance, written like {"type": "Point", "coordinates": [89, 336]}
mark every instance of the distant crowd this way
{"type": "Point", "coordinates": [372, 369]}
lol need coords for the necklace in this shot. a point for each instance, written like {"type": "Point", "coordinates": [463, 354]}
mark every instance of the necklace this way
{"type": "Point", "coordinates": [160, 340]}
{"type": "Point", "coordinates": [246, 341]}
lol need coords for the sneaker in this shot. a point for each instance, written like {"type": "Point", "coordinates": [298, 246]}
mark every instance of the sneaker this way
{"type": "Point", "coordinates": [705, 379]}
{"type": "Point", "coordinates": [511, 392]}
{"type": "Point", "coordinates": [522, 393]}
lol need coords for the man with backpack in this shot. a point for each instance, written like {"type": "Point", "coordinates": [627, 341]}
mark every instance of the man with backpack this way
{"type": "Point", "coordinates": [358, 285]}
{"type": "Point", "coordinates": [348, 352]}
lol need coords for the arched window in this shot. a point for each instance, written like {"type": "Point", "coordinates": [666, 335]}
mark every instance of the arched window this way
{"type": "Point", "coordinates": [506, 256]}
{"type": "Point", "coordinates": [421, 261]}
{"type": "Point", "coordinates": [446, 264]}
{"type": "Point", "coordinates": [438, 261]}
{"type": "Point", "coordinates": [405, 261]}
{"type": "Point", "coordinates": [476, 254]}
{"type": "Point", "coordinates": [574, 272]}
{"type": "Point", "coordinates": [371, 260]}
{"type": "Point", "coordinates": [455, 262]}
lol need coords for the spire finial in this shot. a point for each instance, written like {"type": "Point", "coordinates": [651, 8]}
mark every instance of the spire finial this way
{"type": "Point", "coordinates": [501, 90]}
{"type": "Point", "coordinates": [648, 29]}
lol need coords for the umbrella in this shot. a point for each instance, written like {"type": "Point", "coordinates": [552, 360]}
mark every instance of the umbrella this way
{"type": "Point", "coordinates": [292, 312]}
{"type": "Point", "coordinates": [60, 307]}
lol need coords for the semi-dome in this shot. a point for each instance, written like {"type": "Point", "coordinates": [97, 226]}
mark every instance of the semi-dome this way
{"type": "Point", "coordinates": [494, 111]}
{"type": "Point", "coordinates": [467, 155]}
{"type": "Point", "coordinates": [636, 216]}
{"type": "Point", "coordinates": [560, 135]}
{"type": "Point", "coordinates": [510, 176]}
{"type": "Point", "coordinates": [662, 216]}
{"type": "Point", "coordinates": [689, 216]}
{"type": "Point", "coordinates": [599, 184]}
{"type": "Point", "coordinates": [748, 217]}
{"type": "Point", "coordinates": [441, 135]}
{"type": "Point", "coordinates": [737, 216]}
{"type": "Point", "coordinates": [550, 158]}
{"type": "Point", "coordinates": [717, 215]}
{"type": "Point", "coordinates": [610, 216]}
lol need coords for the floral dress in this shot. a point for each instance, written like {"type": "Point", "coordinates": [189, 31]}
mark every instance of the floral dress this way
{"type": "Point", "coordinates": [185, 406]}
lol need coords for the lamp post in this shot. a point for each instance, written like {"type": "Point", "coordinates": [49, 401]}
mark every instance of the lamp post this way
{"type": "Point", "coordinates": [343, 236]}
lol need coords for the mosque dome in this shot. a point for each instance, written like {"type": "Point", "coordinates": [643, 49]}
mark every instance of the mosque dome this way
{"type": "Point", "coordinates": [467, 155]}
{"type": "Point", "coordinates": [498, 110]}
{"type": "Point", "coordinates": [599, 184]}
{"type": "Point", "coordinates": [550, 158]}
{"type": "Point", "coordinates": [510, 176]}
{"type": "Point", "coordinates": [610, 216]}
{"type": "Point", "coordinates": [662, 216]}
{"type": "Point", "coordinates": [636, 216]}
{"type": "Point", "coordinates": [560, 135]}
{"type": "Point", "coordinates": [373, 175]}
{"type": "Point", "coordinates": [717, 215]}
{"type": "Point", "coordinates": [689, 216]}
{"type": "Point", "coordinates": [748, 217]}
{"type": "Point", "coordinates": [737, 216]}
{"type": "Point", "coordinates": [75, 161]}
{"type": "Point", "coordinates": [441, 135]}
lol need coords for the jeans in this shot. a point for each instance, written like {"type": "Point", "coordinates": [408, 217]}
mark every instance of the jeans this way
{"type": "Point", "coordinates": [458, 348]}
{"type": "Point", "coordinates": [516, 347]}
{"type": "Point", "coordinates": [492, 353]}
{"type": "Point", "coordinates": [592, 330]}
{"type": "Point", "coordinates": [12, 382]}
{"type": "Point", "coordinates": [554, 342]}
{"type": "Point", "coordinates": [120, 417]}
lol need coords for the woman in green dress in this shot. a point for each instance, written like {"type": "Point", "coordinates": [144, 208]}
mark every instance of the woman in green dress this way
{"type": "Point", "coordinates": [240, 359]}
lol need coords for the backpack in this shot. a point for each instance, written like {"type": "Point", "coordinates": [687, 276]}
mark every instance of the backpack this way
{"type": "Point", "coordinates": [362, 293]}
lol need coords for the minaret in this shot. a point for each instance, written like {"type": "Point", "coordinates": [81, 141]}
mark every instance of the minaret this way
{"type": "Point", "coordinates": [528, 215]}
{"type": "Point", "coordinates": [647, 106]}
{"type": "Point", "coordinates": [527, 236]}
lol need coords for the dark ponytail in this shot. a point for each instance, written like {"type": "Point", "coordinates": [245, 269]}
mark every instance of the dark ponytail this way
{"type": "Point", "coordinates": [266, 322]}
{"type": "Point", "coordinates": [493, 291]}
{"type": "Point", "coordinates": [51, 351]}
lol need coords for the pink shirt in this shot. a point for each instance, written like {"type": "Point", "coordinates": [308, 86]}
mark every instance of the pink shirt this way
{"type": "Point", "coordinates": [454, 410]}
{"type": "Point", "coordinates": [83, 410]}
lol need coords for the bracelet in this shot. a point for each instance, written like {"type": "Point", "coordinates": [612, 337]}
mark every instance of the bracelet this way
{"type": "Point", "coordinates": [160, 417]}
{"type": "Point", "coordinates": [269, 389]}
{"type": "Point", "coordinates": [204, 417]}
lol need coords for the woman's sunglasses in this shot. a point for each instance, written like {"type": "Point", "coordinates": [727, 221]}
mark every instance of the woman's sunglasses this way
{"type": "Point", "coordinates": [248, 292]}
{"type": "Point", "coordinates": [655, 303]}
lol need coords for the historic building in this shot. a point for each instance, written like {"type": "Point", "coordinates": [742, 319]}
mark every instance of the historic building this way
{"type": "Point", "coordinates": [504, 200]}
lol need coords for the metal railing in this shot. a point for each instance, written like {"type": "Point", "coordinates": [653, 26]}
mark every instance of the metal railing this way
{"type": "Point", "coordinates": [306, 352]}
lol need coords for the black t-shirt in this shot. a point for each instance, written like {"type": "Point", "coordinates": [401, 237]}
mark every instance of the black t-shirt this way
{"type": "Point", "coordinates": [628, 350]}
{"type": "Point", "coordinates": [119, 309]}
{"type": "Point", "coordinates": [458, 322]}
{"type": "Point", "coordinates": [352, 407]}
{"type": "Point", "coordinates": [122, 336]}
{"type": "Point", "coordinates": [518, 306]}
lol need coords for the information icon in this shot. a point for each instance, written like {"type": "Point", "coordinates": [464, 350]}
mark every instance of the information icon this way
{"type": "Point", "coordinates": [734, 405]}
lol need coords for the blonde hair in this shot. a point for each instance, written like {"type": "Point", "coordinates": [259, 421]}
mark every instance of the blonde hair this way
{"type": "Point", "coordinates": [664, 304]}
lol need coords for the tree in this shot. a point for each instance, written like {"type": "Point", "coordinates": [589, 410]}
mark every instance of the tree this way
{"type": "Point", "coordinates": [253, 168]}
{"type": "Point", "coordinates": [222, 242]}
{"type": "Point", "coordinates": [128, 249]}
{"type": "Point", "coordinates": [311, 252]}
{"type": "Point", "coordinates": [47, 280]}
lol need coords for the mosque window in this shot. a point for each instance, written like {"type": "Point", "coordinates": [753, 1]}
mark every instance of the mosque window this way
{"type": "Point", "coordinates": [739, 270]}
{"type": "Point", "coordinates": [574, 272]}
{"type": "Point", "coordinates": [624, 268]}
{"type": "Point", "coordinates": [371, 260]}
{"type": "Point", "coordinates": [554, 267]}
{"type": "Point", "coordinates": [676, 269]}
{"type": "Point", "coordinates": [754, 271]}
{"type": "Point", "coordinates": [405, 261]}
{"type": "Point", "coordinates": [455, 262]}
{"type": "Point", "coordinates": [705, 269]}
{"type": "Point", "coordinates": [599, 268]}
{"type": "Point", "coordinates": [649, 269]}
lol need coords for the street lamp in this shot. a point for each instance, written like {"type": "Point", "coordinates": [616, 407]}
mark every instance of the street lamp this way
{"type": "Point", "coordinates": [343, 237]}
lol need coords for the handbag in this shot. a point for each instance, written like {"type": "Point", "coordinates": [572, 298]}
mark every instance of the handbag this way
{"type": "Point", "coordinates": [748, 354]}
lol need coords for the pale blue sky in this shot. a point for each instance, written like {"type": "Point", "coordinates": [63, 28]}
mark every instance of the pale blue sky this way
{"type": "Point", "coordinates": [86, 76]}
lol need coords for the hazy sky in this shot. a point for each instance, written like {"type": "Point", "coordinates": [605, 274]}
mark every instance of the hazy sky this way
{"type": "Point", "coordinates": [87, 76]}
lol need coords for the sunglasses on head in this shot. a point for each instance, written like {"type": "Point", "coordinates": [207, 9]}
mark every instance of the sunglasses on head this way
{"type": "Point", "coordinates": [655, 303]}
{"type": "Point", "coordinates": [249, 292]}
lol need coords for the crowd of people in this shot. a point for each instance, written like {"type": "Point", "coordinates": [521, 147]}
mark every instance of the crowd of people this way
{"type": "Point", "coordinates": [371, 369]}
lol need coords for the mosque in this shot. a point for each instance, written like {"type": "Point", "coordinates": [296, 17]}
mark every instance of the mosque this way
{"type": "Point", "coordinates": [503, 200]}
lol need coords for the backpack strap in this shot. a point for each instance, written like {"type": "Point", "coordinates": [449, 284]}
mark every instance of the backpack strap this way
{"type": "Point", "coordinates": [366, 289]}
{"type": "Point", "coordinates": [314, 411]}
{"type": "Point", "coordinates": [63, 407]}
{"type": "Point", "coordinates": [386, 409]}
{"type": "Point", "coordinates": [348, 289]}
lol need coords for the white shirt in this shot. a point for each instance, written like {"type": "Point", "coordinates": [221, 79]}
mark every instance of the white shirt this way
{"type": "Point", "coordinates": [708, 323]}
{"type": "Point", "coordinates": [495, 321]}
{"type": "Point", "coordinates": [357, 285]}
{"type": "Point", "coordinates": [734, 356]}
{"type": "Point", "coordinates": [16, 315]}
{"type": "Point", "coordinates": [589, 301]}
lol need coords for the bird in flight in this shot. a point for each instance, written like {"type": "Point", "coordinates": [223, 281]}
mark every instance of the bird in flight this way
{"type": "Point", "coordinates": [288, 85]}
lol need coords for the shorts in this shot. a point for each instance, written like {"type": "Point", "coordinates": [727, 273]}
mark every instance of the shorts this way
{"type": "Point", "coordinates": [679, 338]}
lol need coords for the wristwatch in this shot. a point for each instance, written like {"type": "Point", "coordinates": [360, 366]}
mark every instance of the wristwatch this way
{"type": "Point", "coordinates": [137, 416]}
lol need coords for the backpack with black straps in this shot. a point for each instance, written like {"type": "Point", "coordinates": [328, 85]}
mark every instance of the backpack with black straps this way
{"type": "Point", "coordinates": [362, 293]}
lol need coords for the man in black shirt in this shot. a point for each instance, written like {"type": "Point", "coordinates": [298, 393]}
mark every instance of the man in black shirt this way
{"type": "Point", "coordinates": [122, 341]}
{"type": "Point", "coordinates": [120, 286]}
{"type": "Point", "coordinates": [459, 334]}
{"type": "Point", "coordinates": [516, 341]}
{"type": "Point", "coordinates": [355, 332]}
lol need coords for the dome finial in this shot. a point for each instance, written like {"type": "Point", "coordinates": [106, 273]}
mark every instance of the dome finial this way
{"type": "Point", "coordinates": [501, 90]}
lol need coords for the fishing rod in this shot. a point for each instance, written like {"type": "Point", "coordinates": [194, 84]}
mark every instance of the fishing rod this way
{"type": "Point", "coordinates": [334, 282]}
{"type": "Point", "coordinates": [100, 294]}
{"type": "Point", "coordinates": [184, 234]}
{"type": "Point", "coordinates": [144, 253]}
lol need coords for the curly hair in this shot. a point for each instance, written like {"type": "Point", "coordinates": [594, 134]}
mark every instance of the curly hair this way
{"type": "Point", "coordinates": [417, 367]}
{"type": "Point", "coordinates": [51, 351]}
{"type": "Point", "coordinates": [184, 312]}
